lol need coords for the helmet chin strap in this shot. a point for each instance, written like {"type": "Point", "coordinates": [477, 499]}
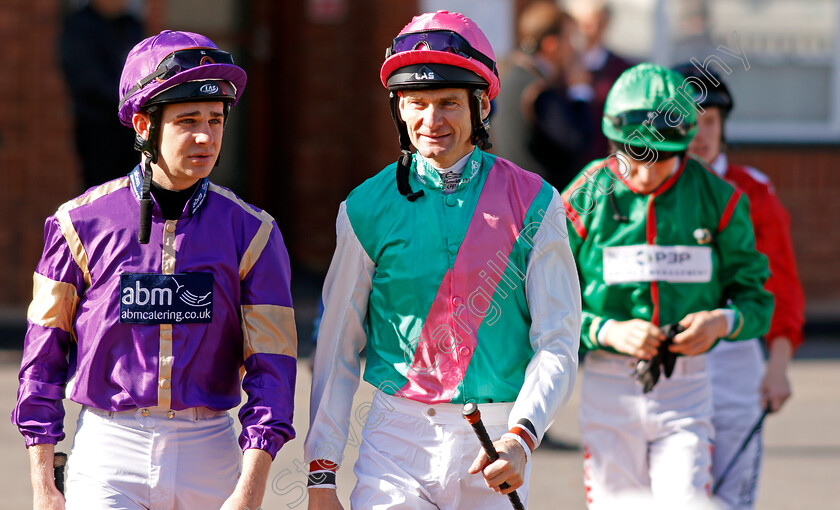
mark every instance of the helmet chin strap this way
{"type": "Point", "coordinates": [149, 150]}
{"type": "Point", "coordinates": [148, 147]}
{"type": "Point", "coordinates": [226, 108]}
{"type": "Point", "coordinates": [481, 126]}
{"type": "Point", "coordinates": [480, 138]}
{"type": "Point", "coordinates": [404, 163]}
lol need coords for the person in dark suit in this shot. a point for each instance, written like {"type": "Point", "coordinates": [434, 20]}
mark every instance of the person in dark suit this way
{"type": "Point", "coordinates": [92, 47]}
{"type": "Point", "coordinates": [542, 116]}
{"type": "Point", "coordinates": [592, 18]}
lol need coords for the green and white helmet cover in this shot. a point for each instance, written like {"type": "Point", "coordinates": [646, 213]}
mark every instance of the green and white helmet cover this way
{"type": "Point", "coordinates": [650, 105]}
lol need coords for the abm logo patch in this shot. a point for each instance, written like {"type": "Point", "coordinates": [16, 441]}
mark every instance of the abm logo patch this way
{"type": "Point", "coordinates": [148, 298]}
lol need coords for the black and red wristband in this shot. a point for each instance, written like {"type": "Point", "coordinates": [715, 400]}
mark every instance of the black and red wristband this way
{"type": "Point", "coordinates": [322, 474]}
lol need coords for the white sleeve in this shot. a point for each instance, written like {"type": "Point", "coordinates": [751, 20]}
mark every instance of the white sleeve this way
{"type": "Point", "coordinates": [552, 289]}
{"type": "Point", "coordinates": [341, 337]}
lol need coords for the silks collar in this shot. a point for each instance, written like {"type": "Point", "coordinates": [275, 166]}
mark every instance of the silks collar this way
{"type": "Point", "coordinates": [136, 178]}
{"type": "Point", "coordinates": [430, 177]}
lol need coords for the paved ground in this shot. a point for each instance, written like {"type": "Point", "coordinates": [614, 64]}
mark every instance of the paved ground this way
{"type": "Point", "coordinates": [802, 456]}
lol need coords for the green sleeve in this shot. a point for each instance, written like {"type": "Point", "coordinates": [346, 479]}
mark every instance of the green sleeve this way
{"type": "Point", "coordinates": [589, 328]}
{"type": "Point", "coordinates": [743, 273]}
{"type": "Point", "coordinates": [590, 323]}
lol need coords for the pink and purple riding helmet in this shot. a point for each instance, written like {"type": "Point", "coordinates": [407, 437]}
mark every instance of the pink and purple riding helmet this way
{"type": "Point", "coordinates": [439, 50]}
{"type": "Point", "coordinates": [172, 67]}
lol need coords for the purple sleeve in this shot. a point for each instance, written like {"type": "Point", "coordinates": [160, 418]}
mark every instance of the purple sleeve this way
{"type": "Point", "coordinates": [267, 415]}
{"type": "Point", "coordinates": [270, 350]}
{"type": "Point", "coordinates": [39, 413]}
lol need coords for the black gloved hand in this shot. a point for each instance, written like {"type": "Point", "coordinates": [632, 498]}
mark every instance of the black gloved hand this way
{"type": "Point", "coordinates": [668, 358]}
{"type": "Point", "coordinates": [648, 371]}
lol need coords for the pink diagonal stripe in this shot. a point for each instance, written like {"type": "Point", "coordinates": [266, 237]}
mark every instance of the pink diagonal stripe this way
{"type": "Point", "coordinates": [448, 338]}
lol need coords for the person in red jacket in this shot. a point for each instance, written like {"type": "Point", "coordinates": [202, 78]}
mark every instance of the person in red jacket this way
{"type": "Point", "coordinates": [742, 385]}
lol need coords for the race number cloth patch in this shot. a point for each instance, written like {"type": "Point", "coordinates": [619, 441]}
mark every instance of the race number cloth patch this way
{"type": "Point", "coordinates": [646, 263]}
{"type": "Point", "coordinates": [148, 298]}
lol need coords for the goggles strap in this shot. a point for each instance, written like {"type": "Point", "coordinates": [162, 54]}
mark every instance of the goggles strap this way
{"type": "Point", "coordinates": [465, 49]}
{"type": "Point", "coordinates": [140, 84]}
{"type": "Point", "coordinates": [162, 70]}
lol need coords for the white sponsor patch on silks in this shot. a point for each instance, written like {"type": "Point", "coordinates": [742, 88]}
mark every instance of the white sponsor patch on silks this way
{"type": "Point", "coordinates": [646, 263]}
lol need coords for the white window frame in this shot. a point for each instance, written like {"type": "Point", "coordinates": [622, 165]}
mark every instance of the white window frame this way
{"type": "Point", "coordinates": [739, 130]}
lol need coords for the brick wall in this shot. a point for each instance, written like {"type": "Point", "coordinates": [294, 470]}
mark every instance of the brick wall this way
{"type": "Point", "coordinates": [325, 121]}
{"type": "Point", "coordinates": [807, 182]}
{"type": "Point", "coordinates": [39, 169]}
{"type": "Point", "coordinates": [317, 125]}
{"type": "Point", "coordinates": [38, 166]}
